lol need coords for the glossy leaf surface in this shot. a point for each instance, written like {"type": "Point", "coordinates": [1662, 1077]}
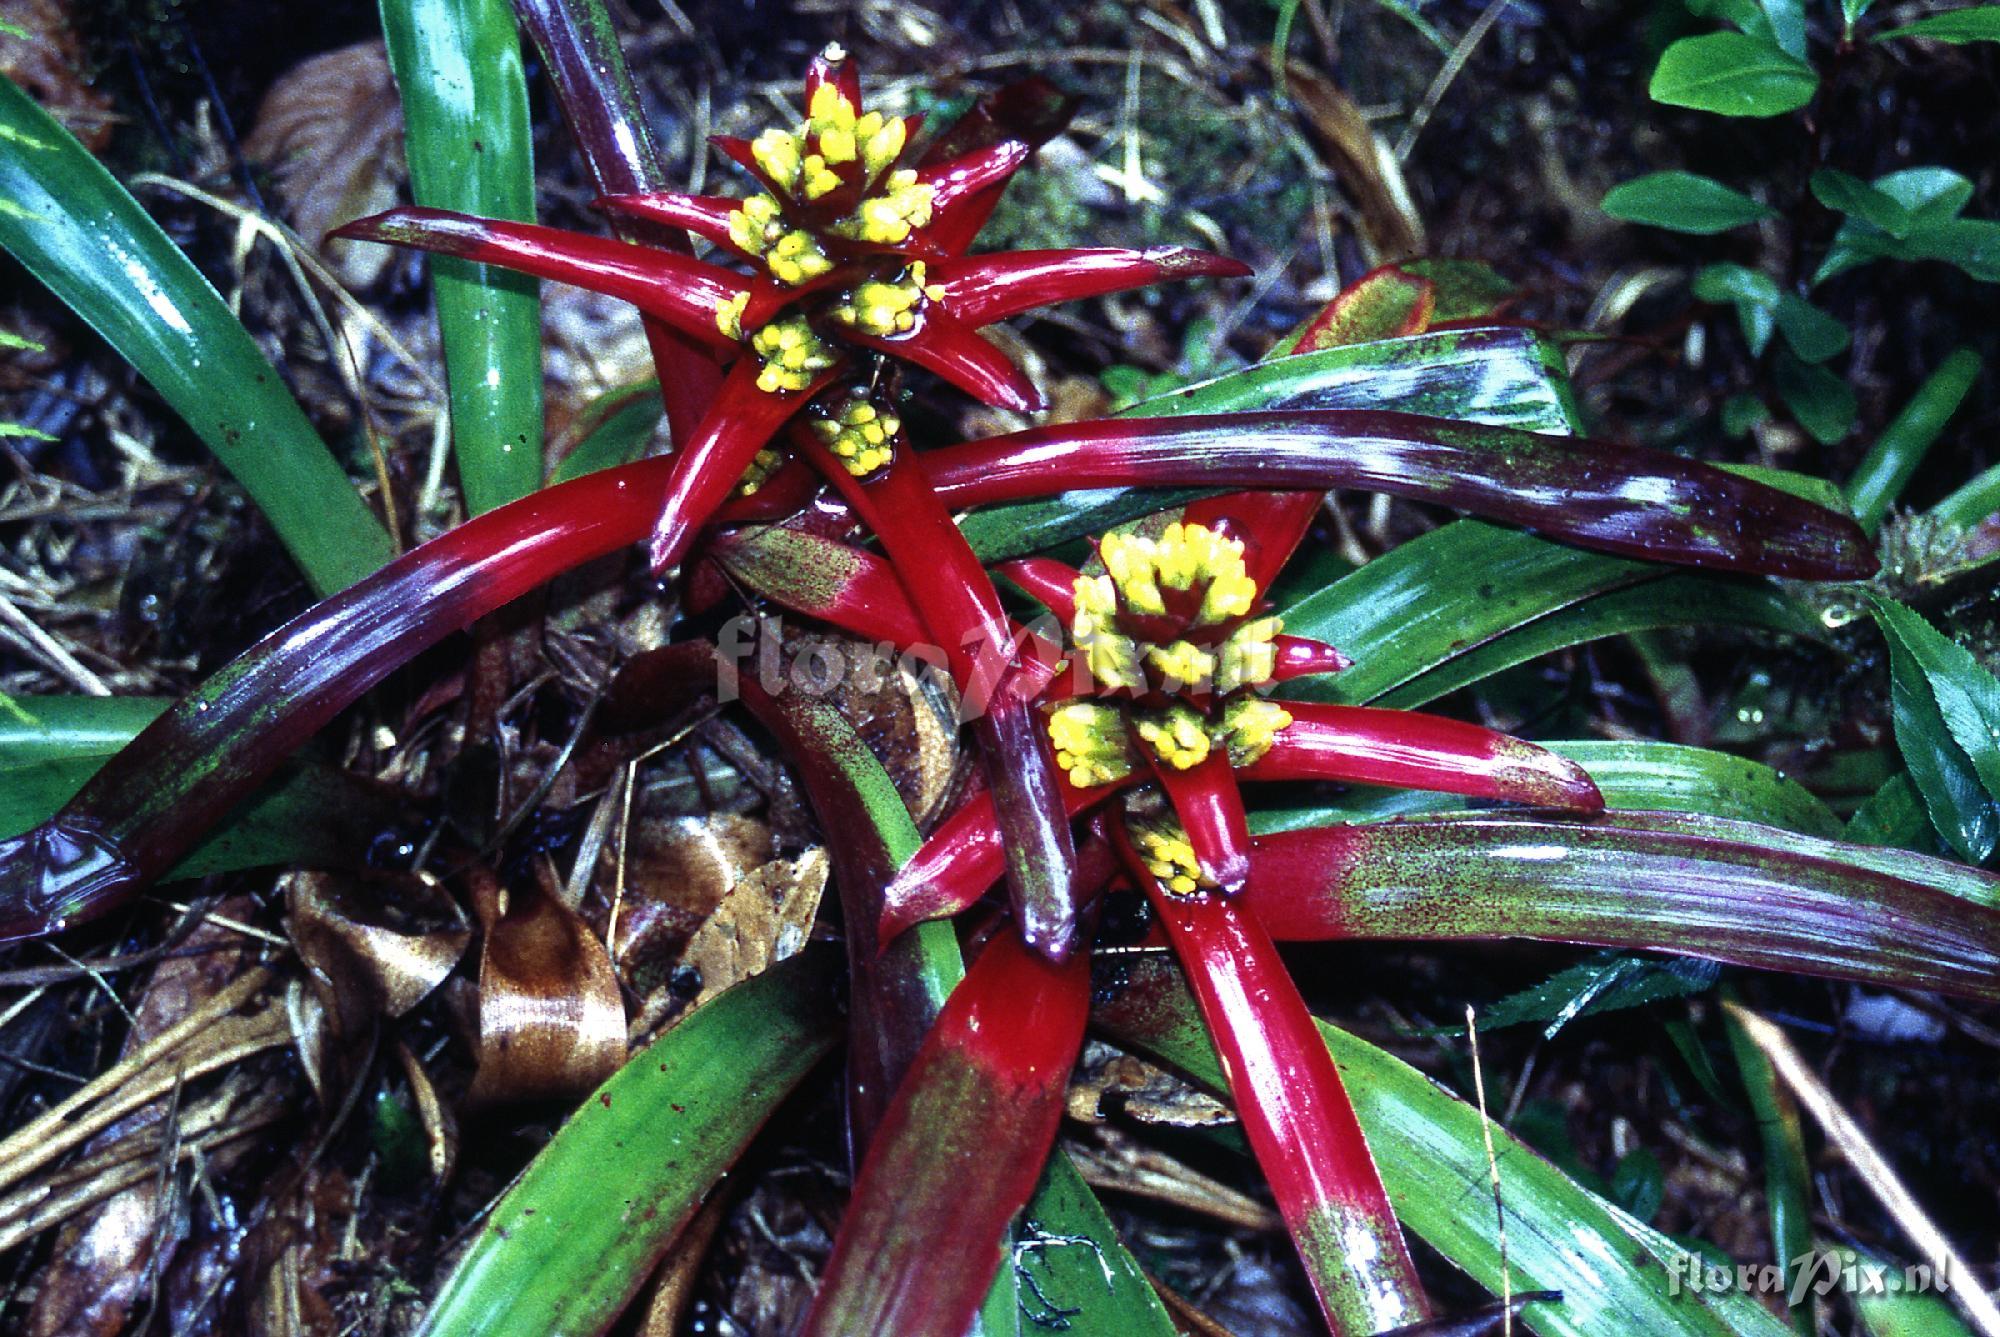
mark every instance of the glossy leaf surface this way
{"type": "Point", "coordinates": [76, 230]}
{"type": "Point", "coordinates": [1728, 891]}
{"type": "Point", "coordinates": [467, 139]}
{"type": "Point", "coordinates": [1684, 202]}
{"type": "Point", "coordinates": [1947, 716]}
{"type": "Point", "coordinates": [1613, 1272]}
{"type": "Point", "coordinates": [1733, 74]}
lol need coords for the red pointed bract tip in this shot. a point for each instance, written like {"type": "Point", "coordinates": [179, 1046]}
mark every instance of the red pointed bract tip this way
{"type": "Point", "coordinates": [1210, 808]}
{"type": "Point", "coordinates": [1410, 750]}
{"type": "Point", "coordinates": [743, 418]}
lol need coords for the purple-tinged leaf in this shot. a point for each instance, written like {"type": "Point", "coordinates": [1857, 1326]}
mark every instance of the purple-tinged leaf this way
{"type": "Point", "coordinates": [160, 794]}
{"type": "Point", "coordinates": [1385, 303]}
{"type": "Point", "coordinates": [1725, 890]}
{"type": "Point", "coordinates": [682, 291]}
{"type": "Point", "coordinates": [959, 1150]}
{"type": "Point", "coordinates": [580, 51]}
{"type": "Point", "coordinates": [1028, 113]}
{"type": "Point", "coordinates": [1620, 499]}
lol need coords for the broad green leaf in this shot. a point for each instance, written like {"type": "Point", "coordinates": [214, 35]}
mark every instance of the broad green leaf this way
{"type": "Point", "coordinates": [1900, 1306]}
{"type": "Point", "coordinates": [1466, 289]}
{"type": "Point", "coordinates": [1742, 412]}
{"type": "Point", "coordinates": [1782, 22]}
{"type": "Point", "coordinates": [1396, 619]}
{"type": "Point", "coordinates": [1647, 776]}
{"type": "Point", "coordinates": [574, 1237]}
{"type": "Point", "coordinates": [1893, 815]}
{"type": "Point", "coordinates": [309, 814]}
{"type": "Point", "coordinates": [1975, 23]}
{"type": "Point", "coordinates": [1851, 195]}
{"type": "Point", "coordinates": [1886, 469]}
{"type": "Point", "coordinates": [79, 232]}
{"type": "Point", "coordinates": [1947, 716]}
{"type": "Point", "coordinates": [1732, 74]}
{"type": "Point", "coordinates": [1611, 982]}
{"type": "Point", "coordinates": [1972, 501]}
{"type": "Point", "coordinates": [470, 148]}
{"type": "Point", "coordinates": [1683, 202]}
{"type": "Point", "coordinates": [1752, 292]}
{"type": "Point", "coordinates": [1082, 1276]}
{"type": "Point", "coordinates": [1671, 600]}
{"type": "Point", "coordinates": [1504, 377]}
{"type": "Point", "coordinates": [1973, 244]}
{"type": "Point", "coordinates": [1615, 1274]}
{"type": "Point", "coordinates": [1933, 197]}
{"type": "Point", "coordinates": [1813, 334]}
{"type": "Point", "coordinates": [1822, 402]}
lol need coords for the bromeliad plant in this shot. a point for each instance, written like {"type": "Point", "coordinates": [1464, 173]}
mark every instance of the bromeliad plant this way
{"type": "Point", "coordinates": [851, 257]}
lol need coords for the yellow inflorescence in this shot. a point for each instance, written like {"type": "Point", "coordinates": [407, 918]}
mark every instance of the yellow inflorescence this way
{"type": "Point", "coordinates": [860, 434]}
{"type": "Point", "coordinates": [761, 468]}
{"type": "Point", "coordinates": [1249, 726]}
{"type": "Point", "coordinates": [791, 353]}
{"type": "Point", "coordinates": [802, 164]}
{"type": "Point", "coordinates": [1163, 843]}
{"type": "Point", "coordinates": [729, 315]}
{"type": "Point", "coordinates": [1178, 736]}
{"type": "Point", "coordinates": [1091, 743]}
{"type": "Point", "coordinates": [1111, 655]}
{"type": "Point", "coordinates": [1138, 571]}
{"type": "Point", "coordinates": [886, 308]}
{"type": "Point", "coordinates": [887, 219]}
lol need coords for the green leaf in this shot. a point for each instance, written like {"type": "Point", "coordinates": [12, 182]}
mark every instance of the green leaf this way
{"type": "Point", "coordinates": [1977, 23]}
{"type": "Point", "coordinates": [1616, 1275]}
{"type": "Point", "coordinates": [1466, 289]}
{"type": "Point", "coordinates": [1886, 469]}
{"type": "Point", "coordinates": [1638, 1184]}
{"type": "Point", "coordinates": [568, 1244]}
{"type": "Point", "coordinates": [1683, 202]}
{"type": "Point", "coordinates": [1675, 600]}
{"type": "Point", "coordinates": [1752, 292]}
{"type": "Point", "coordinates": [309, 814]}
{"type": "Point", "coordinates": [1740, 413]}
{"type": "Point", "coordinates": [1612, 982]}
{"type": "Point", "coordinates": [621, 423]}
{"type": "Point", "coordinates": [1734, 75]}
{"type": "Point", "coordinates": [1973, 244]}
{"type": "Point", "coordinates": [1947, 716]}
{"type": "Point", "coordinates": [1820, 401]}
{"type": "Point", "coordinates": [470, 148]}
{"type": "Point", "coordinates": [78, 231]}
{"type": "Point", "coordinates": [1503, 377]}
{"type": "Point", "coordinates": [1933, 197]}
{"type": "Point", "coordinates": [1787, 1176]}
{"type": "Point", "coordinates": [1893, 815]}
{"type": "Point", "coordinates": [1814, 335]}
{"type": "Point", "coordinates": [1852, 196]}
{"type": "Point", "coordinates": [1081, 1273]}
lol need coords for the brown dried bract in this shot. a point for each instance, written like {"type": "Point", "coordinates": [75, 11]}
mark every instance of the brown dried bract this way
{"type": "Point", "coordinates": [48, 65]}
{"type": "Point", "coordinates": [331, 132]}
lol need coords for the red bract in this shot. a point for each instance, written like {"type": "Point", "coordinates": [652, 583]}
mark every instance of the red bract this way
{"type": "Point", "coordinates": [857, 256]}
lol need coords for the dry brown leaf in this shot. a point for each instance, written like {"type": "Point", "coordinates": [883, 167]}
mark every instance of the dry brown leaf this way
{"type": "Point", "coordinates": [48, 65]}
{"type": "Point", "coordinates": [98, 1267]}
{"type": "Point", "coordinates": [331, 132]}
{"type": "Point", "coordinates": [375, 948]}
{"type": "Point", "coordinates": [1107, 1158]}
{"type": "Point", "coordinates": [551, 1018]}
{"type": "Point", "coordinates": [909, 720]}
{"type": "Point", "coordinates": [764, 919]}
{"type": "Point", "coordinates": [677, 871]}
{"type": "Point", "coordinates": [1109, 1081]}
{"type": "Point", "coordinates": [1390, 226]}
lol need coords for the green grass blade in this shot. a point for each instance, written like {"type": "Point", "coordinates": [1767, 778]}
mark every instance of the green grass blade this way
{"type": "Point", "coordinates": [1616, 1275]}
{"type": "Point", "coordinates": [470, 148]}
{"type": "Point", "coordinates": [1885, 470]}
{"type": "Point", "coordinates": [620, 423]}
{"type": "Point", "coordinates": [569, 1244]}
{"type": "Point", "coordinates": [1681, 599]}
{"type": "Point", "coordinates": [78, 231]}
{"type": "Point", "coordinates": [1787, 1180]}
